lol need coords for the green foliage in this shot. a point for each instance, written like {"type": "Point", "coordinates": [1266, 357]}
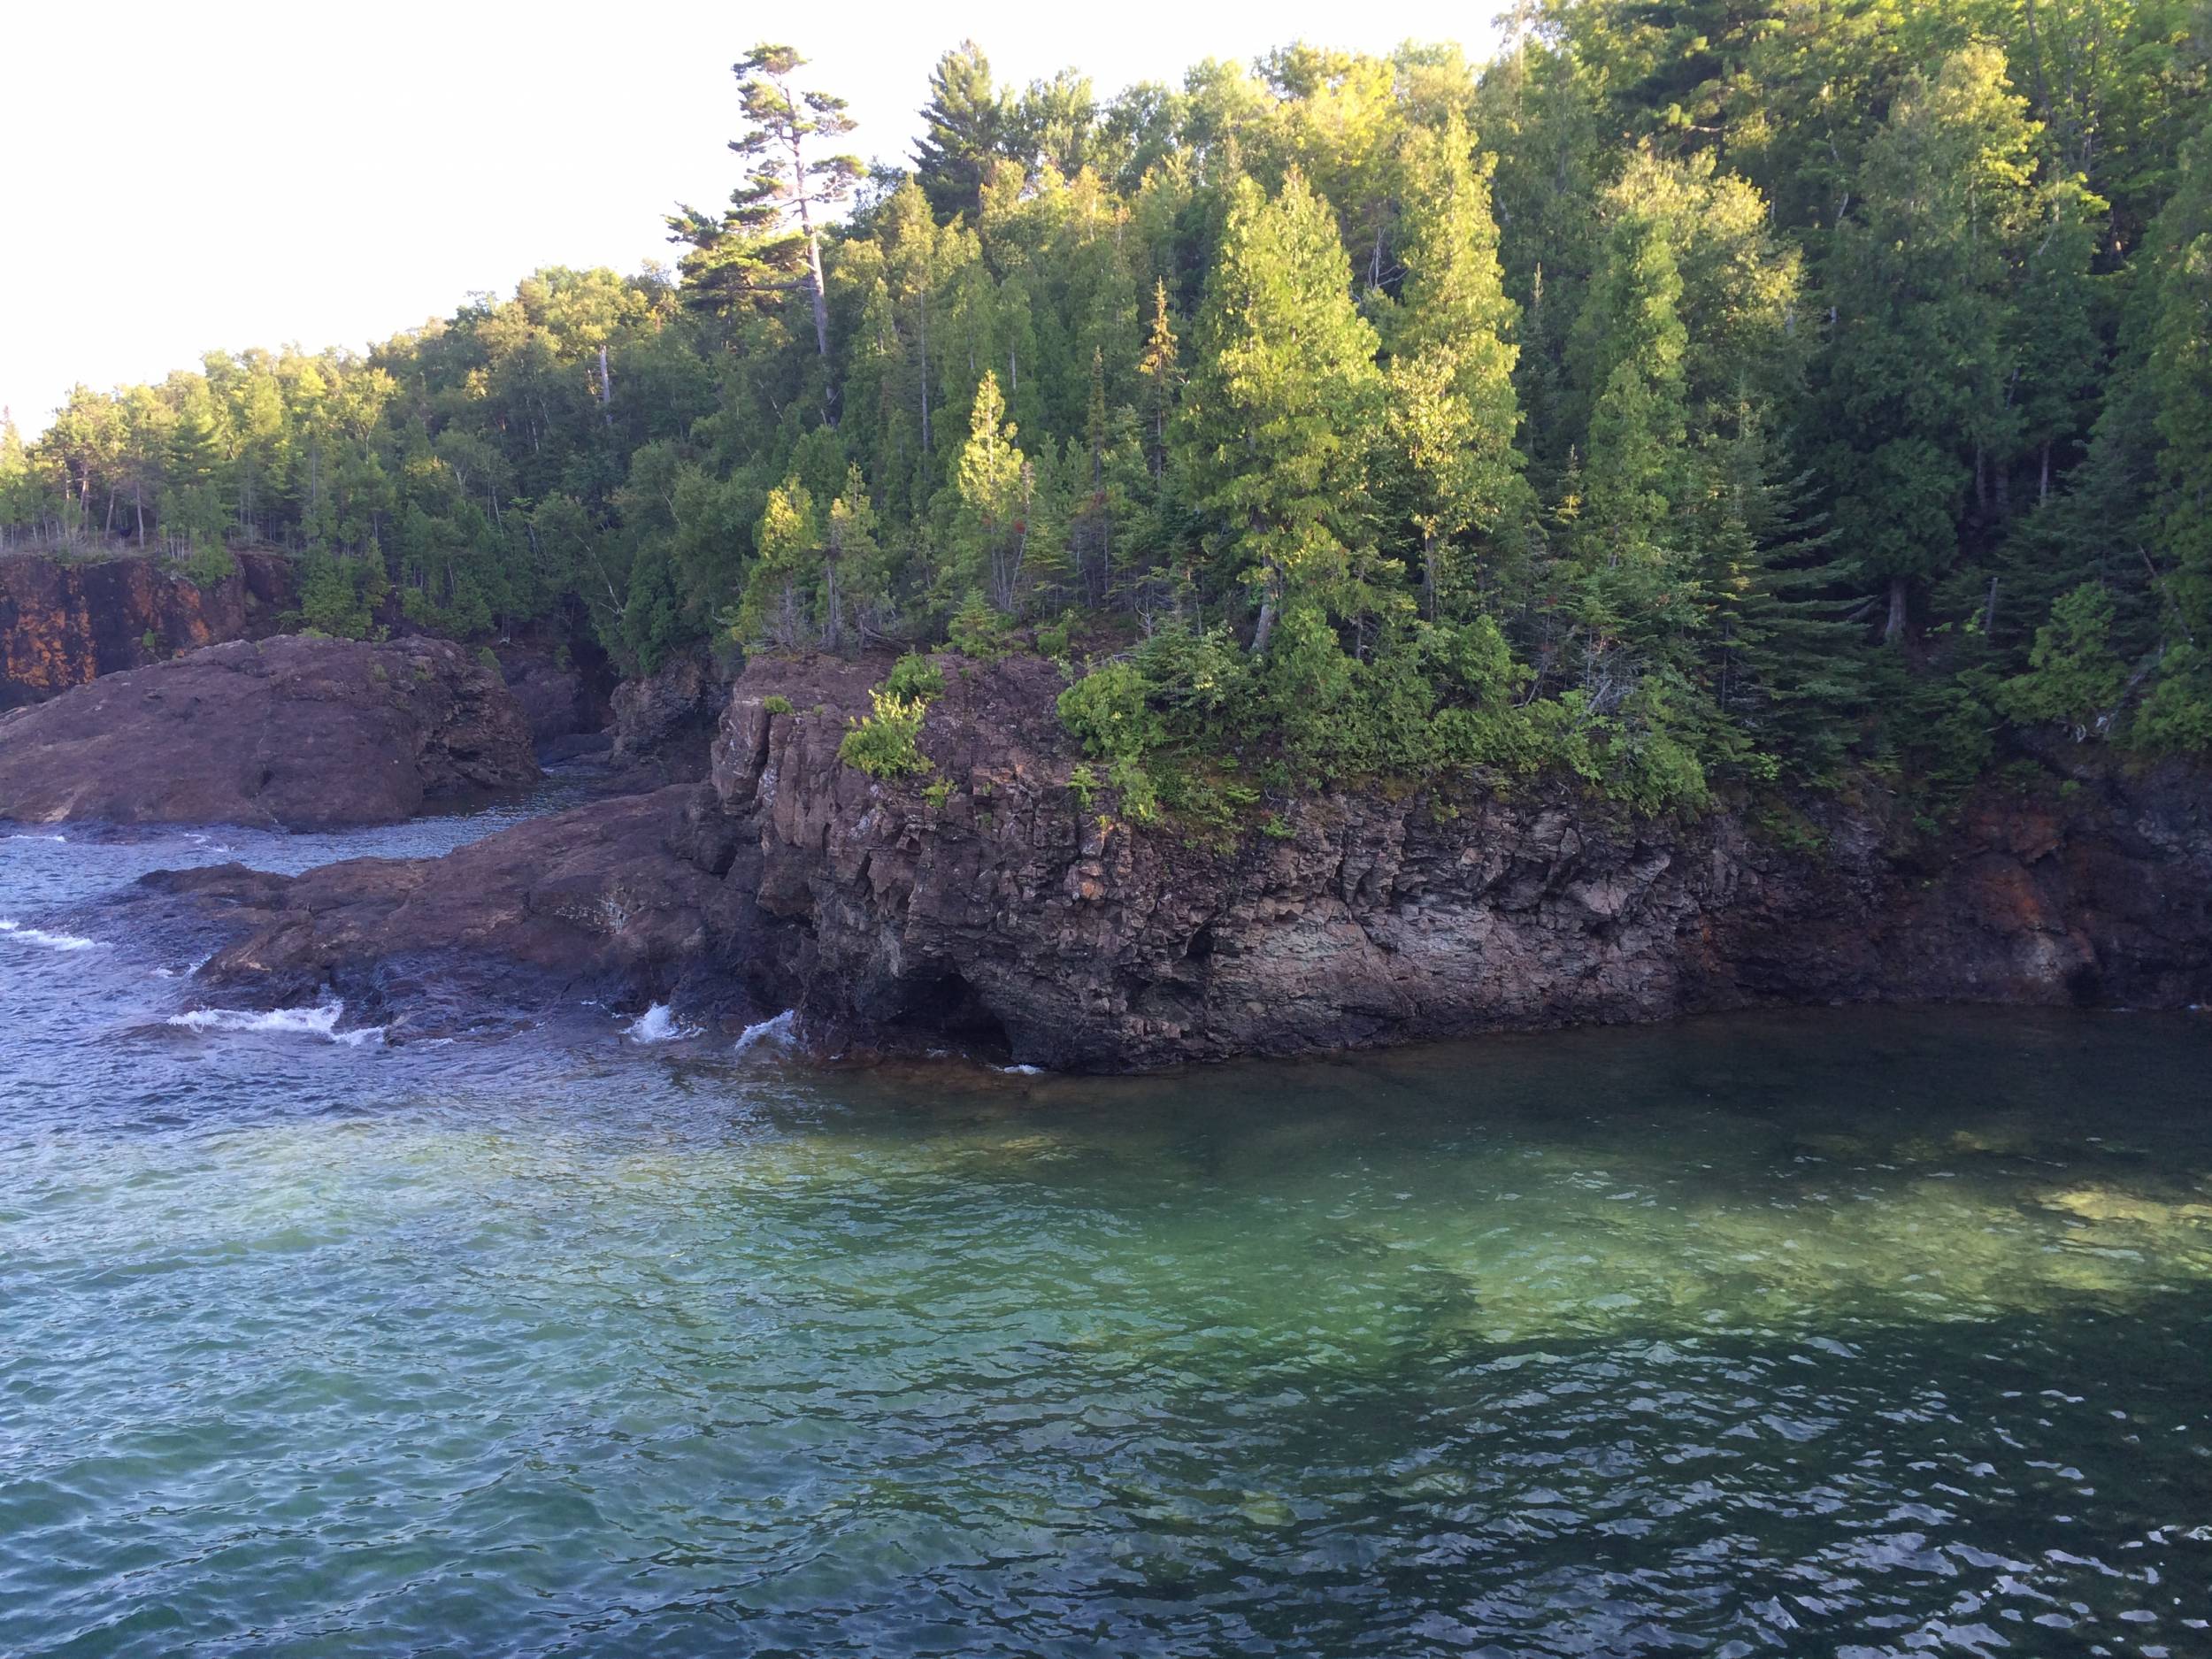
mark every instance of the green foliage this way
{"type": "Point", "coordinates": [1108, 712]}
{"type": "Point", "coordinates": [209, 565]}
{"type": "Point", "coordinates": [2073, 678]}
{"type": "Point", "coordinates": [885, 744]}
{"type": "Point", "coordinates": [1598, 413]}
{"type": "Point", "coordinates": [1052, 638]}
{"type": "Point", "coordinates": [1132, 784]}
{"type": "Point", "coordinates": [775, 702]}
{"type": "Point", "coordinates": [915, 679]}
{"type": "Point", "coordinates": [2176, 717]}
{"type": "Point", "coordinates": [340, 596]}
{"type": "Point", "coordinates": [979, 632]}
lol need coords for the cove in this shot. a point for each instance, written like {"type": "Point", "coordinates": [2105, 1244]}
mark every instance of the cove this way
{"type": "Point", "coordinates": [1855, 1331]}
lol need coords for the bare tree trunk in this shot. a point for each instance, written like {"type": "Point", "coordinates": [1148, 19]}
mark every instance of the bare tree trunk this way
{"type": "Point", "coordinates": [814, 285]}
{"type": "Point", "coordinates": [2043, 490]}
{"type": "Point", "coordinates": [924, 344]}
{"type": "Point", "coordinates": [606, 386]}
{"type": "Point", "coordinates": [1266, 628]}
{"type": "Point", "coordinates": [1428, 575]}
{"type": "Point", "coordinates": [1894, 630]}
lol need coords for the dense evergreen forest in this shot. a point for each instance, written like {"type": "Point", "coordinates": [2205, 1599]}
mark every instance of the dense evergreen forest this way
{"type": "Point", "coordinates": [1698, 395]}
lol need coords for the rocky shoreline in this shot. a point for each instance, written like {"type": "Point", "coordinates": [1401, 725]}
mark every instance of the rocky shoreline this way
{"type": "Point", "coordinates": [988, 906]}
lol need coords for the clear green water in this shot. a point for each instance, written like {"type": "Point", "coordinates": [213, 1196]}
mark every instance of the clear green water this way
{"type": "Point", "coordinates": [1849, 1333]}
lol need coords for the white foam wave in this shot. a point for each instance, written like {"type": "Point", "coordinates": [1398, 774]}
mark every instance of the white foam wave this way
{"type": "Point", "coordinates": [659, 1023]}
{"type": "Point", "coordinates": [779, 1033]}
{"type": "Point", "coordinates": [40, 936]}
{"type": "Point", "coordinates": [1023, 1071]}
{"type": "Point", "coordinates": [39, 838]}
{"type": "Point", "coordinates": [318, 1021]}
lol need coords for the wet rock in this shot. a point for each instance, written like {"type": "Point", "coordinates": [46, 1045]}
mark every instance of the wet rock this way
{"type": "Point", "coordinates": [587, 902]}
{"type": "Point", "coordinates": [293, 731]}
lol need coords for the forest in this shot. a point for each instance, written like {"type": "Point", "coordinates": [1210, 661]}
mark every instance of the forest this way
{"type": "Point", "coordinates": [1695, 398]}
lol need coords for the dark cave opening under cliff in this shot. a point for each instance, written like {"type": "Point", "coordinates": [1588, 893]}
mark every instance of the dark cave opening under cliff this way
{"type": "Point", "coordinates": [945, 1004]}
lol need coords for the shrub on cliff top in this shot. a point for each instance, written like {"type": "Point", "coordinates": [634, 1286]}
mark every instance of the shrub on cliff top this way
{"type": "Point", "coordinates": [916, 678]}
{"type": "Point", "coordinates": [884, 744]}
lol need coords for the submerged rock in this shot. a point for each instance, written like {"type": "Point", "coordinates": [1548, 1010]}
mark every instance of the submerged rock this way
{"type": "Point", "coordinates": [300, 732]}
{"type": "Point", "coordinates": [991, 905]}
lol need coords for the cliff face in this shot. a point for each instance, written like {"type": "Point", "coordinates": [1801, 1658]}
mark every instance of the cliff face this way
{"type": "Point", "coordinates": [985, 905]}
{"type": "Point", "coordinates": [64, 625]}
{"type": "Point", "coordinates": [1009, 908]}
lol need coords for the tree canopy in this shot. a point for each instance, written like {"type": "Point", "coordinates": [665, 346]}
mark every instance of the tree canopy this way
{"type": "Point", "coordinates": [1694, 395]}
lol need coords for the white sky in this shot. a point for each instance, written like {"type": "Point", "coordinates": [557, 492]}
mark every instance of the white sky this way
{"type": "Point", "coordinates": [178, 177]}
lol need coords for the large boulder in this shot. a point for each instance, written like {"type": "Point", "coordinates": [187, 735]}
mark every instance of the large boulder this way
{"type": "Point", "coordinates": [305, 734]}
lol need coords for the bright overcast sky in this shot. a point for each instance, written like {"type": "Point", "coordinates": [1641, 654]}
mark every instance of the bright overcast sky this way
{"type": "Point", "coordinates": [175, 177]}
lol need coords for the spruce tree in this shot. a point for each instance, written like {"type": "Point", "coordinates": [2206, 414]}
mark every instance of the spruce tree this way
{"type": "Point", "coordinates": [1275, 417]}
{"type": "Point", "coordinates": [1453, 414]}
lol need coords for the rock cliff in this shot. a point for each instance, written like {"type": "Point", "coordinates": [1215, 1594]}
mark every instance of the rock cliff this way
{"type": "Point", "coordinates": [62, 624]}
{"type": "Point", "coordinates": [986, 904]}
{"type": "Point", "coordinates": [301, 732]}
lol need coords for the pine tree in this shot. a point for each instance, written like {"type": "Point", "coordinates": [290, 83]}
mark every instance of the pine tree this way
{"type": "Point", "coordinates": [964, 132]}
{"type": "Point", "coordinates": [992, 491]}
{"type": "Point", "coordinates": [1162, 368]}
{"type": "Point", "coordinates": [770, 239]}
{"type": "Point", "coordinates": [787, 549]}
{"type": "Point", "coordinates": [1453, 413]}
{"type": "Point", "coordinates": [1275, 418]}
{"type": "Point", "coordinates": [1918, 372]}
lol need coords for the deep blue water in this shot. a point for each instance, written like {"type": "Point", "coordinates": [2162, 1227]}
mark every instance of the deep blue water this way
{"type": "Point", "coordinates": [1847, 1333]}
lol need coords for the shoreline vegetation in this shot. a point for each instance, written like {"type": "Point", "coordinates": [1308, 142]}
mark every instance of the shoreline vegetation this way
{"type": "Point", "coordinates": [1700, 404]}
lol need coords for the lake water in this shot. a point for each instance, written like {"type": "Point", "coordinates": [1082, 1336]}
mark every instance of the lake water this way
{"type": "Point", "coordinates": [1842, 1332]}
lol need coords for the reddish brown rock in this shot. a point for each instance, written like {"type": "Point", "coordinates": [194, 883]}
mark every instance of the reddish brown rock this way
{"type": "Point", "coordinates": [301, 732]}
{"type": "Point", "coordinates": [64, 624]}
{"type": "Point", "coordinates": [986, 904]}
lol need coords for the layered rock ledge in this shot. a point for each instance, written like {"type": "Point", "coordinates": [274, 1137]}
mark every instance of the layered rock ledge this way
{"type": "Point", "coordinates": [986, 904]}
{"type": "Point", "coordinates": [299, 733]}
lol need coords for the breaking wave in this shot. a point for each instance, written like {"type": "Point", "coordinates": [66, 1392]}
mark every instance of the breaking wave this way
{"type": "Point", "coordinates": [779, 1033]}
{"type": "Point", "coordinates": [40, 936]}
{"type": "Point", "coordinates": [318, 1021]}
{"type": "Point", "coordinates": [659, 1024]}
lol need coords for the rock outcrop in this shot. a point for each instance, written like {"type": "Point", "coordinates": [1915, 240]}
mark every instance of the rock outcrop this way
{"type": "Point", "coordinates": [663, 721]}
{"type": "Point", "coordinates": [562, 683]}
{"type": "Point", "coordinates": [305, 734]}
{"type": "Point", "coordinates": [62, 624]}
{"type": "Point", "coordinates": [990, 904]}
{"type": "Point", "coordinates": [1010, 906]}
{"type": "Point", "coordinates": [594, 902]}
